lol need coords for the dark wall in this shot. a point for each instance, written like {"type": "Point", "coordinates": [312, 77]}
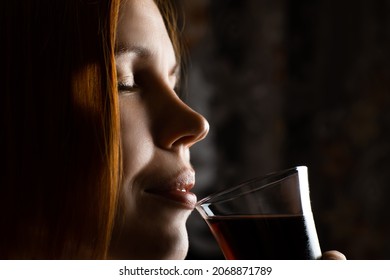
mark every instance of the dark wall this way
{"type": "Point", "coordinates": [286, 83]}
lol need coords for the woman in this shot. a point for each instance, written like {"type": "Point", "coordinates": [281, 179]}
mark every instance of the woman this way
{"type": "Point", "coordinates": [95, 139]}
{"type": "Point", "coordinates": [157, 175]}
{"type": "Point", "coordinates": [76, 126]}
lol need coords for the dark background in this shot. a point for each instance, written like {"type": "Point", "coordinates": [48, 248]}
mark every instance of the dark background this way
{"type": "Point", "coordinates": [287, 83]}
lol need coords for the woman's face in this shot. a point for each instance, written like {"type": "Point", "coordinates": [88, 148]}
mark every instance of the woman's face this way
{"type": "Point", "coordinates": [157, 130]}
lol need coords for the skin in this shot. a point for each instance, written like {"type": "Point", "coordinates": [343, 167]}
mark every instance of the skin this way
{"type": "Point", "coordinates": [157, 130]}
{"type": "Point", "coordinates": [333, 255]}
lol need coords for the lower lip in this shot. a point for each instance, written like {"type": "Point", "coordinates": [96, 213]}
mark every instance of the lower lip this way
{"type": "Point", "coordinates": [185, 199]}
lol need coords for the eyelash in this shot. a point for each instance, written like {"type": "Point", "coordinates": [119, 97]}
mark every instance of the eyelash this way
{"type": "Point", "coordinates": [124, 88]}
{"type": "Point", "coordinates": [129, 89]}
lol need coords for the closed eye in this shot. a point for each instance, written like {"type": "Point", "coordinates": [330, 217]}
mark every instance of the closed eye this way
{"type": "Point", "coordinates": [127, 89]}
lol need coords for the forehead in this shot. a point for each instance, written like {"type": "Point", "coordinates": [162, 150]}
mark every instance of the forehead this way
{"type": "Point", "coordinates": [140, 11]}
{"type": "Point", "coordinates": [141, 24]}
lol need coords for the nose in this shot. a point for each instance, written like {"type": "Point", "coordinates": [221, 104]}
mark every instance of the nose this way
{"type": "Point", "coordinates": [178, 125]}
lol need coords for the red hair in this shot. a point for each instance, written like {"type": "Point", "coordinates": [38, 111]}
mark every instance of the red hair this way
{"type": "Point", "coordinates": [59, 120]}
{"type": "Point", "coordinates": [60, 125]}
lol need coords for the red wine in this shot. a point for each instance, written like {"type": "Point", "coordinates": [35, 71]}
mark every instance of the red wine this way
{"type": "Point", "coordinates": [269, 237]}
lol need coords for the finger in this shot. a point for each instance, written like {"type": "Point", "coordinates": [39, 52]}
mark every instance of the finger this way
{"type": "Point", "coordinates": [333, 255]}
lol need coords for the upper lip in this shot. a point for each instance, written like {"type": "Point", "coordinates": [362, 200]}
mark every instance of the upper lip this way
{"type": "Point", "coordinates": [182, 181]}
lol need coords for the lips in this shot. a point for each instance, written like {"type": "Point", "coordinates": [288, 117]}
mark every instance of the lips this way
{"type": "Point", "coordinates": [177, 189]}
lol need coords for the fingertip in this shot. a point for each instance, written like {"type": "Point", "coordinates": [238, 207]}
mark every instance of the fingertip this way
{"type": "Point", "coordinates": [333, 255]}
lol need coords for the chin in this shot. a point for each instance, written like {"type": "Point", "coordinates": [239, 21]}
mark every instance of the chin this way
{"type": "Point", "coordinates": [146, 240]}
{"type": "Point", "coordinates": [167, 244]}
{"type": "Point", "coordinates": [177, 252]}
{"type": "Point", "coordinates": [162, 250]}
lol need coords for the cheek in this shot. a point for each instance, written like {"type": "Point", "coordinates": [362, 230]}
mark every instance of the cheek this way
{"type": "Point", "coordinates": [137, 144]}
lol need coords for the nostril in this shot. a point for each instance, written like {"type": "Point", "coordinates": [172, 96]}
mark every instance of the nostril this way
{"type": "Point", "coordinates": [186, 140]}
{"type": "Point", "coordinates": [192, 137]}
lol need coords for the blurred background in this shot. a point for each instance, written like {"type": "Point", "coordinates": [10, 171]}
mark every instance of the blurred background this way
{"type": "Point", "coordinates": [286, 83]}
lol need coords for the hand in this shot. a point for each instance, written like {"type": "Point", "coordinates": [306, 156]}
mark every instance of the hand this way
{"type": "Point", "coordinates": [333, 255]}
